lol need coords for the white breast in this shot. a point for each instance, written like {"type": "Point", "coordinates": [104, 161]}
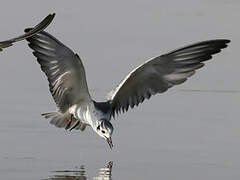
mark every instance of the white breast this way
{"type": "Point", "coordinates": [88, 114]}
{"type": "Point", "coordinates": [81, 113]}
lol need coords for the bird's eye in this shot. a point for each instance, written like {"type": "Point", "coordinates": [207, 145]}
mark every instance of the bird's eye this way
{"type": "Point", "coordinates": [103, 131]}
{"type": "Point", "coordinates": [98, 128]}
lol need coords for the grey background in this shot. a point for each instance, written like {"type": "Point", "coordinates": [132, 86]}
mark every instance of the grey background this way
{"type": "Point", "coordinates": [176, 135]}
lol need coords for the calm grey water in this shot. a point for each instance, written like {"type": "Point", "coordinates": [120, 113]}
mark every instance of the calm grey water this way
{"type": "Point", "coordinates": [190, 132]}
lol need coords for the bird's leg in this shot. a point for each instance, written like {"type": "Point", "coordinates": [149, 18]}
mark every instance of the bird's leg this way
{"type": "Point", "coordinates": [110, 165]}
{"type": "Point", "coordinates": [69, 122]}
{"type": "Point", "coordinates": [75, 125]}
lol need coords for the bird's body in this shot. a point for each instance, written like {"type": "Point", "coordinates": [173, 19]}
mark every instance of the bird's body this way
{"type": "Point", "coordinates": [91, 113]}
{"type": "Point", "coordinates": [68, 86]}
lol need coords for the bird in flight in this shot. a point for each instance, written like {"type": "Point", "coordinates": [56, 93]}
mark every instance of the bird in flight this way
{"type": "Point", "coordinates": [67, 79]}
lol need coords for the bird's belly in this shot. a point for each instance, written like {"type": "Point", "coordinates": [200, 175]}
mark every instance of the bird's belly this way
{"type": "Point", "coordinates": [83, 114]}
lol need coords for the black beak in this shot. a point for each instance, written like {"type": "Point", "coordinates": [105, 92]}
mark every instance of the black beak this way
{"type": "Point", "coordinates": [109, 141]}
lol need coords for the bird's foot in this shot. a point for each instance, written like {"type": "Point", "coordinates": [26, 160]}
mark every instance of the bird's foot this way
{"type": "Point", "coordinates": [75, 125]}
{"type": "Point", "coordinates": [69, 122]}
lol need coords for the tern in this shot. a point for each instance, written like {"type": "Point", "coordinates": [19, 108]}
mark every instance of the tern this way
{"type": "Point", "coordinates": [67, 79]}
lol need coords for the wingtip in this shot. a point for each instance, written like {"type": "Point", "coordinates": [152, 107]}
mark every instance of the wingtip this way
{"type": "Point", "coordinates": [48, 19]}
{"type": "Point", "coordinates": [226, 41]}
{"type": "Point", "coordinates": [45, 22]}
{"type": "Point", "coordinates": [51, 16]}
{"type": "Point", "coordinates": [222, 41]}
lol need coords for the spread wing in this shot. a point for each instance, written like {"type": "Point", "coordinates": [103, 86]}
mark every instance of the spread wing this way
{"type": "Point", "coordinates": [41, 26]}
{"type": "Point", "coordinates": [63, 68]}
{"type": "Point", "coordinates": [159, 74]}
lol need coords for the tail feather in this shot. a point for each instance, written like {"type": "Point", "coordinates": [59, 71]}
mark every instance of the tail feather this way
{"type": "Point", "coordinates": [57, 119]}
{"type": "Point", "coordinates": [61, 120]}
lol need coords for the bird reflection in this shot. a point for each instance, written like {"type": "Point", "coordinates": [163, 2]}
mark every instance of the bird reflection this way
{"type": "Point", "coordinates": [80, 174]}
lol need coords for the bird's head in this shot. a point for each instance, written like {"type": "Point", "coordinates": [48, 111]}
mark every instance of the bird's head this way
{"type": "Point", "coordinates": [105, 129]}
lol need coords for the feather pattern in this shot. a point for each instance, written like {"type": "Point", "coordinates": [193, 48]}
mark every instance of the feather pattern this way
{"type": "Point", "coordinates": [63, 68]}
{"type": "Point", "coordinates": [159, 74]}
